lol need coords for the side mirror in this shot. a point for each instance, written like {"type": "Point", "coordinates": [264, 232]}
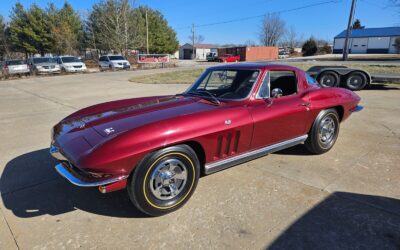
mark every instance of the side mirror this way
{"type": "Point", "coordinates": [276, 93]}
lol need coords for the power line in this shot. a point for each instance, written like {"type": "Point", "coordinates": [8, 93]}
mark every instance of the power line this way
{"type": "Point", "coordinates": [258, 16]}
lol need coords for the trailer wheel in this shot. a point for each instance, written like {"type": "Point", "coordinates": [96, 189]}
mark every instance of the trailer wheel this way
{"type": "Point", "coordinates": [328, 79]}
{"type": "Point", "coordinates": [356, 81]}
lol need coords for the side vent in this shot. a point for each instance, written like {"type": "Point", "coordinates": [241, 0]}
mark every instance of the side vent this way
{"type": "Point", "coordinates": [227, 145]}
{"type": "Point", "coordinates": [219, 147]}
{"type": "Point", "coordinates": [236, 143]}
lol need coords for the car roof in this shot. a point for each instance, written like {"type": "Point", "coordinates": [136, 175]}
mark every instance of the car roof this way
{"type": "Point", "coordinates": [254, 65]}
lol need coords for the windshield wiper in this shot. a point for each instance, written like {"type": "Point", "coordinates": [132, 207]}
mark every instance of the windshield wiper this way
{"type": "Point", "coordinates": [201, 92]}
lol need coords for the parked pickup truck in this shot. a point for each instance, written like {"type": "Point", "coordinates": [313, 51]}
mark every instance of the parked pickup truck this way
{"type": "Point", "coordinates": [228, 58]}
{"type": "Point", "coordinates": [212, 56]}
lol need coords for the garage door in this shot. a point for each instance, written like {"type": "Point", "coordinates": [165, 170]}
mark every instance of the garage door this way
{"type": "Point", "coordinates": [359, 45]}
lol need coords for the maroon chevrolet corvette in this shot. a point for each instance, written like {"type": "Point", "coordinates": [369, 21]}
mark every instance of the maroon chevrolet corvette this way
{"type": "Point", "coordinates": [157, 147]}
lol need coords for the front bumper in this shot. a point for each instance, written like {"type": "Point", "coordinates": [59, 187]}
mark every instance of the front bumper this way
{"type": "Point", "coordinates": [66, 170]}
{"type": "Point", "coordinates": [49, 71]}
{"type": "Point", "coordinates": [357, 108]}
{"type": "Point", "coordinates": [74, 70]}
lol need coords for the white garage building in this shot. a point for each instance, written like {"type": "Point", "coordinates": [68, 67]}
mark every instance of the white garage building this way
{"type": "Point", "coordinates": [201, 50]}
{"type": "Point", "coordinates": [369, 41]}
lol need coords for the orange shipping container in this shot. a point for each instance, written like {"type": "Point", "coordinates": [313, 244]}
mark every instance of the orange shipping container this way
{"type": "Point", "coordinates": [261, 53]}
{"type": "Point", "coordinates": [251, 53]}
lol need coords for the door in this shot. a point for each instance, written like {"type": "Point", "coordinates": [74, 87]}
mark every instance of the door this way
{"type": "Point", "coordinates": [359, 46]}
{"type": "Point", "coordinates": [279, 118]}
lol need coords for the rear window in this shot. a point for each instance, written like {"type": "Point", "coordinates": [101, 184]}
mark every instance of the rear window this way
{"type": "Point", "coordinates": [16, 62]}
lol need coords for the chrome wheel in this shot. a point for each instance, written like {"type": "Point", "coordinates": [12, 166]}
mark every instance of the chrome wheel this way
{"type": "Point", "coordinates": [327, 130]}
{"type": "Point", "coordinates": [168, 179]}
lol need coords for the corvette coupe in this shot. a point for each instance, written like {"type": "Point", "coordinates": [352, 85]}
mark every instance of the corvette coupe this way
{"type": "Point", "coordinates": [157, 147]}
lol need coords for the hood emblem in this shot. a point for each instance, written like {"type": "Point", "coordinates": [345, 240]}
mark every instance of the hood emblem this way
{"type": "Point", "coordinates": [109, 131]}
{"type": "Point", "coordinates": [228, 122]}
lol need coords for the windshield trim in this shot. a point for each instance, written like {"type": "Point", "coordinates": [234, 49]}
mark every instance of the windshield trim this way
{"type": "Point", "coordinates": [205, 74]}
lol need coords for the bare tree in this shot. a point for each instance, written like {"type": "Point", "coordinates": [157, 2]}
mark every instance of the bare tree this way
{"type": "Point", "coordinates": [250, 43]}
{"type": "Point", "coordinates": [291, 39]}
{"type": "Point", "coordinates": [272, 29]}
{"type": "Point", "coordinates": [111, 25]}
{"type": "Point", "coordinates": [197, 38]}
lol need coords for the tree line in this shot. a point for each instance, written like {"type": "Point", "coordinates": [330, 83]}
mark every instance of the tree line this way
{"type": "Point", "coordinates": [109, 26]}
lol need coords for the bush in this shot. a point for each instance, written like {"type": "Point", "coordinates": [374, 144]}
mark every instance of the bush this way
{"type": "Point", "coordinates": [310, 47]}
{"type": "Point", "coordinates": [326, 49]}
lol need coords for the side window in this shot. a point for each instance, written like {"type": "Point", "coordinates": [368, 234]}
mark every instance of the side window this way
{"type": "Point", "coordinates": [286, 81]}
{"type": "Point", "coordinates": [263, 92]}
{"type": "Point", "coordinates": [102, 59]}
{"type": "Point", "coordinates": [311, 80]}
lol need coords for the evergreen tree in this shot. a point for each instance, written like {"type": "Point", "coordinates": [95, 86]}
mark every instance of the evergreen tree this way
{"type": "Point", "coordinates": [162, 38]}
{"type": "Point", "coordinates": [310, 47]}
{"type": "Point", "coordinates": [18, 26]}
{"type": "Point", "coordinates": [66, 27]}
{"type": "Point", "coordinates": [357, 25]}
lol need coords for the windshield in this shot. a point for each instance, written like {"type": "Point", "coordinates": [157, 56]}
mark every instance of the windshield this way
{"type": "Point", "coordinates": [70, 59]}
{"type": "Point", "coordinates": [16, 62]}
{"type": "Point", "coordinates": [229, 84]}
{"type": "Point", "coordinates": [114, 58]}
{"type": "Point", "coordinates": [43, 60]}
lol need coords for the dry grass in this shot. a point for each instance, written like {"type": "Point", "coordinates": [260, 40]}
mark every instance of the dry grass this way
{"type": "Point", "coordinates": [176, 77]}
{"type": "Point", "coordinates": [189, 76]}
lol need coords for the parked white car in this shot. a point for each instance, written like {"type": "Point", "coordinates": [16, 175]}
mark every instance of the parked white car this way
{"type": "Point", "coordinates": [71, 64]}
{"type": "Point", "coordinates": [113, 62]}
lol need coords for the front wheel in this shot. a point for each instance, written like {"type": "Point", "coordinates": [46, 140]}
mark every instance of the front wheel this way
{"type": "Point", "coordinates": [324, 132]}
{"type": "Point", "coordinates": [164, 180]}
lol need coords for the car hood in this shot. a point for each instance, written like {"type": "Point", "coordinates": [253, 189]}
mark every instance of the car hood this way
{"type": "Point", "coordinates": [113, 118]}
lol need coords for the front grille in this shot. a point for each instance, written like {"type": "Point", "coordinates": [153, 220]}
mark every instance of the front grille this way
{"type": "Point", "coordinates": [78, 67]}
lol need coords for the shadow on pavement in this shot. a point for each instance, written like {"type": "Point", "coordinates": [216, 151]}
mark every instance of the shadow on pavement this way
{"type": "Point", "coordinates": [382, 86]}
{"type": "Point", "coordinates": [31, 187]}
{"type": "Point", "coordinates": [345, 221]}
{"type": "Point", "coordinates": [299, 149]}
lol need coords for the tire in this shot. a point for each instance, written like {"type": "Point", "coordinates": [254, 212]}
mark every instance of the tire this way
{"type": "Point", "coordinates": [324, 132]}
{"type": "Point", "coordinates": [328, 79]}
{"type": "Point", "coordinates": [356, 81]}
{"type": "Point", "coordinates": [150, 187]}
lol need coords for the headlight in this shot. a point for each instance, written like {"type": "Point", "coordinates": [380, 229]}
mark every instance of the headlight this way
{"type": "Point", "coordinates": [39, 67]}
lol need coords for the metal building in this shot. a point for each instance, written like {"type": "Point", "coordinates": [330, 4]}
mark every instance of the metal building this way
{"type": "Point", "coordinates": [369, 41]}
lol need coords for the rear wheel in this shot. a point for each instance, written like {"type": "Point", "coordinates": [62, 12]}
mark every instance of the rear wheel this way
{"type": "Point", "coordinates": [356, 81]}
{"type": "Point", "coordinates": [324, 132]}
{"type": "Point", "coordinates": [328, 79]}
{"type": "Point", "coordinates": [164, 180]}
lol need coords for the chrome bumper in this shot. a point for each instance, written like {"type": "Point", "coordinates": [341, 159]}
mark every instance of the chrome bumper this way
{"type": "Point", "coordinates": [68, 174]}
{"type": "Point", "coordinates": [55, 152]}
{"type": "Point", "coordinates": [358, 108]}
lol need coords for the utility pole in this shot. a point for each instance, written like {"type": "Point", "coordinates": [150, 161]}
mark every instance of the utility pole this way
{"type": "Point", "coordinates": [348, 32]}
{"type": "Point", "coordinates": [193, 49]}
{"type": "Point", "coordinates": [147, 33]}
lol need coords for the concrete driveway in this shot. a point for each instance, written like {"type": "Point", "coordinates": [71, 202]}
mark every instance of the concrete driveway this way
{"type": "Point", "coordinates": [347, 198]}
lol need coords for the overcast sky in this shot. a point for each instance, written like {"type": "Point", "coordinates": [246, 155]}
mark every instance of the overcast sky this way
{"type": "Point", "coordinates": [322, 21]}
